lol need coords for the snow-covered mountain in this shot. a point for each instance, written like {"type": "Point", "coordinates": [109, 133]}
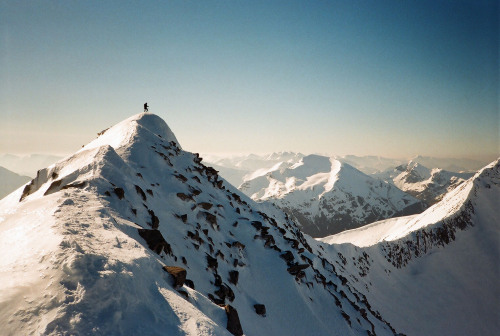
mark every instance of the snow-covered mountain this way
{"type": "Point", "coordinates": [132, 235]}
{"type": "Point", "coordinates": [428, 185]}
{"type": "Point", "coordinates": [27, 164]}
{"type": "Point", "coordinates": [328, 196]}
{"type": "Point", "coordinates": [435, 273]}
{"type": "Point", "coordinates": [10, 181]}
{"type": "Point", "coordinates": [236, 169]}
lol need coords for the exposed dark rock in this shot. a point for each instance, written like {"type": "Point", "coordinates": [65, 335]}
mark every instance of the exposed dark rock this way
{"type": "Point", "coordinates": [210, 218]}
{"type": "Point", "coordinates": [155, 222]}
{"type": "Point", "coordinates": [288, 256]}
{"type": "Point", "coordinates": [225, 292]}
{"type": "Point", "coordinates": [140, 192]}
{"type": "Point", "coordinates": [295, 269]}
{"type": "Point", "coordinates": [217, 280]}
{"type": "Point", "coordinates": [119, 192]}
{"type": "Point", "coordinates": [155, 241]}
{"type": "Point", "coordinates": [233, 321]}
{"type": "Point", "coordinates": [238, 245]}
{"type": "Point", "coordinates": [149, 191]}
{"type": "Point", "coordinates": [177, 273]}
{"type": "Point", "coordinates": [219, 254]}
{"type": "Point", "coordinates": [205, 205]}
{"type": "Point", "coordinates": [260, 309]}
{"type": "Point", "coordinates": [189, 283]}
{"type": "Point", "coordinates": [181, 177]}
{"type": "Point", "coordinates": [107, 193]}
{"type": "Point", "coordinates": [78, 185]}
{"type": "Point", "coordinates": [195, 236]}
{"type": "Point", "coordinates": [257, 225]}
{"type": "Point", "coordinates": [233, 277]}
{"type": "Point", "coordinates": [212, 262]}
{"type": "Point", "coordinates": [216, 300]}
{"type": "Point", "coordinates": [53, 187]}
{"type": "Point", "coordinates": [185, 197]}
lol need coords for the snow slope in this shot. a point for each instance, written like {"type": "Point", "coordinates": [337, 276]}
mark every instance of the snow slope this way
{"type": "Point", "coordinates": [428, 185]}
{"type": "Point", "coordinates": [10, 181]}
{"type": "Point", "coordinates": [328, 196]}
{"type": "Point", "coordinates": [435, 273]}
{"type": "Point", "coordinates": [83, 247]}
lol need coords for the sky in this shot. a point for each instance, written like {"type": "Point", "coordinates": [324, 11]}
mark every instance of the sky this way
{"type": "Point", "coordinates": [389, 78]}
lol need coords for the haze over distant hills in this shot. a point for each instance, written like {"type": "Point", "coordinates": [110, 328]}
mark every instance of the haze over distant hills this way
{"type": "Point", "coordinates": [10, 181]}
{"type": "Point", "coordinates": [27, 164]}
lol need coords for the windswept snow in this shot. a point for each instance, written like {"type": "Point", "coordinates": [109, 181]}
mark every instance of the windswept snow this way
{"type": "Point", "coordinates": [83, 246]}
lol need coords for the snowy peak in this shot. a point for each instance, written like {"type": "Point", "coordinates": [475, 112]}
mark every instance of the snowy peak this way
{"type": "Point", "coordinates": [428, 185]}
{"type": "Point", "coordinates": [328, 196]}
{"type": "Point", "coordinates": [142, 238]}
{"type": "Point", "coordinates": [143, 127]}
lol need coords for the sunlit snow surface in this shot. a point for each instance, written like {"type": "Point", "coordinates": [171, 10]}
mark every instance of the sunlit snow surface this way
{"type": "Point", "coordinates": [451, 290]}
{"type": "Point", "coordinates": [72, 260]}
{"type": "Point", "coordinates": [73, 263]}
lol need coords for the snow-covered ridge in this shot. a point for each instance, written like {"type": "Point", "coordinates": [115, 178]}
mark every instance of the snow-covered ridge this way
{"type": "Point", "coordinates": [132, 201]}
{"type": "Point", "coordinates": [396, 228]}
{"type": "Point", "coordinates": [434, 273]}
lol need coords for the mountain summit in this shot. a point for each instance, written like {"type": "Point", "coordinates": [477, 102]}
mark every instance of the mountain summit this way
{"type": "Point", "coordinates": [132, 235]}
{"type": "Point", "coordinates": [328, 196]}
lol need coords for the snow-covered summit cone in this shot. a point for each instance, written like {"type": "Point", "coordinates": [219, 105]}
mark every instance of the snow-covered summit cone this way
{"type": "Point", "coordinates": [428, 185]}
{"type": "Point", "coordinates": [328, 196]}
{"type": "Point", "coordinates": [435, 273]}
{"type": "Point", "coordinates": [132, 235]}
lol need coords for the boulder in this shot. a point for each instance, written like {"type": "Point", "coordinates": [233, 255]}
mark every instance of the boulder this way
{"type": "Point", "coordinates": [177, 273]}
{"type": "Point", "coordinates": [233, 277]}
{"type": "Point", "coordinates": [260, 309]}
{"type": "Point", "coordinates": [119, 192]}
{"type": "Point", "coordinates": [233, 321]}
{"type": "Point", "coordinates": [205, 205]}
{"type": "Point", "coordinates": [155, 241]}
{"type": "Point", "coordinates": [296, 269]}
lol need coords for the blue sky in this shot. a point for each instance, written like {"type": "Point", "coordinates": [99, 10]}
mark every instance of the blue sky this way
{"type": "Point", "coordinates": [389, 78]}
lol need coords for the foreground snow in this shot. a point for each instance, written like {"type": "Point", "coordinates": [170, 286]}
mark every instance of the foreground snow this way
{"type": "Point", "coordinates": [76, 257]}
{"type": "Point", "coordinates": [434, 273]}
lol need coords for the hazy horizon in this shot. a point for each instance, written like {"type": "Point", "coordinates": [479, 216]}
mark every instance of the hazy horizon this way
{"type": "Point", "coordinates": [391, 79]}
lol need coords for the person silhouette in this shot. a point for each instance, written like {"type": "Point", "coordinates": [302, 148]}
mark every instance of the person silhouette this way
{"type": "Point", "coordinates": [146, 107]}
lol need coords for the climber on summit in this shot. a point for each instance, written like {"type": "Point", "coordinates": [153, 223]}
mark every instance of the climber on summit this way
{"type": "Point", "coordinates": [146, 107]}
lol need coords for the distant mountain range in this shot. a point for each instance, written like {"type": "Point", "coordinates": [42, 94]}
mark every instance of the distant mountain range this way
{"type": "Point", "coordinates": [27, 164]}
{"type": "Point", "coordinates": [10, 181]}
{"type": "Point", "coordinates": [428, 185]}
{"type": "Point", "coordinates": [328, 196]}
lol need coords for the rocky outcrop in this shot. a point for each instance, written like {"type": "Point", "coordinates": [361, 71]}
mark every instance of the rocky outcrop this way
{"type": "Point", "coordinates": [178, 275]}
{"type": "Point", "coordinates": [233, 321]}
